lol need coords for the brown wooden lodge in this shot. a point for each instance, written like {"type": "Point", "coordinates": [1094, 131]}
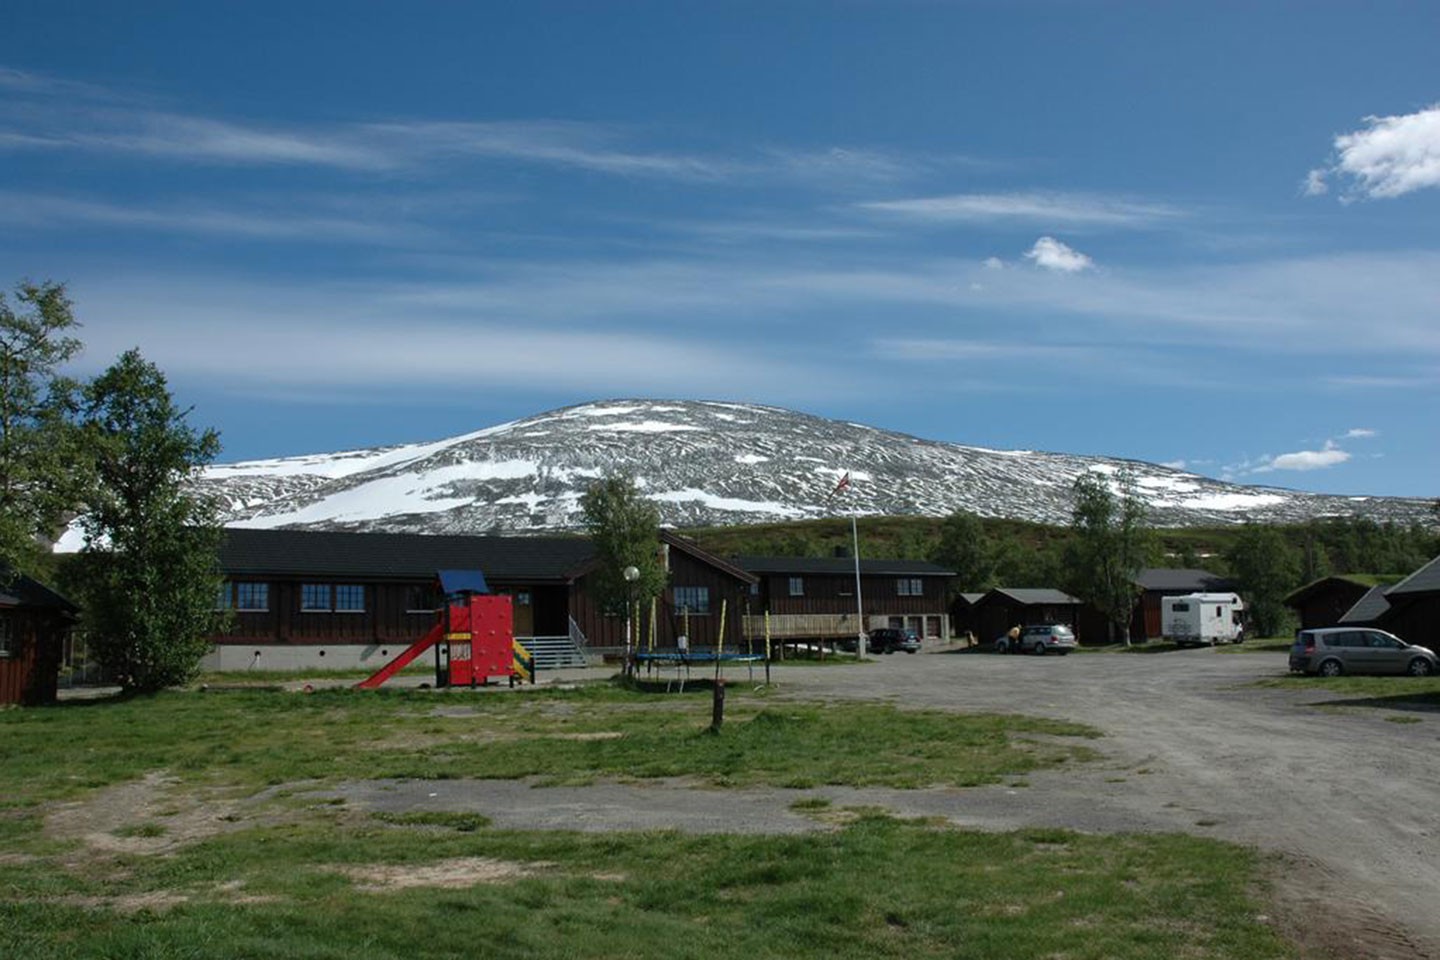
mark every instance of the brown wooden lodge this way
{"type": "Point", "coordinates": [308, 599]}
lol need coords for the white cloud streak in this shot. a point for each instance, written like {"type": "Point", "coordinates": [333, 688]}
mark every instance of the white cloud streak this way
{"type": "Point", "coordinates": [42, 212]}
{"type": "Point", "coordinates": [1065, 209]}
{"type": "Point", "coordinates": [1389, 157]}
{"type": "Point", "coordinates": [47, 114]}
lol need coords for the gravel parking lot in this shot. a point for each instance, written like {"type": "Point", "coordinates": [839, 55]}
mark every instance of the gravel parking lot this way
{"type": "Point", "coordinates": [1349, 800]}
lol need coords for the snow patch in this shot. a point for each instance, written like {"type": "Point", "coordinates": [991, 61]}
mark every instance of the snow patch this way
{"type": "Point", "coordinates": [644, 426]}
{"type": "Point", "coordinates": [1231, 501]}
{"type": "Point", "coordinates": [749, 458]}
{"type": "Point", "coordinates": [728, 504]}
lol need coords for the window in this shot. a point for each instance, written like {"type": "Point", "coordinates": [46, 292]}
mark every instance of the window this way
{"type": "Point", "coordinates": [315, 597]}
{"type": "Point", "coordinates": [223, 597]}
{"type": "Point", "coordinates": [692, 599]}
{"type": "Point", "coordinates": [1180, 607]}
{"type": "Point", "coordinates": [8, 645]}
{"type": "Point", "coordinates": [349, 598]}
{"type": "Point", "coordinates": [424, 599]}
{"type": "Point", "coordinates": [910, 587]}
{"type": "Point", "coordinates": [252, 596]}
{"type": "Point", "coordinates": [797, 586]}
{"type": "Point", "coordinates": [337, 598]}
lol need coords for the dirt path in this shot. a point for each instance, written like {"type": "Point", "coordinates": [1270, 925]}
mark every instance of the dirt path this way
{"type": "Point", "coordinates": [1344, 794]}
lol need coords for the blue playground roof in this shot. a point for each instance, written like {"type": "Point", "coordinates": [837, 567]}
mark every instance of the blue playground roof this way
{"type": "Point", "coordinates": [462, 581]}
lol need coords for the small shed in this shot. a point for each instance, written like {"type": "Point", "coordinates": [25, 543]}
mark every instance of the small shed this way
{"type": "Point", "coordinates": [1006, 607]}
{"type": "Point", "coordinates": [33, 622]}
{"type": "Point", "coordinates": [1323, 602]}
{"type": "Point", "coordinates": [1413, 607]}
{"type": "Point", "coordinates": [1155, 583]}
{"type": "Point", "coordinates": [962, 614]}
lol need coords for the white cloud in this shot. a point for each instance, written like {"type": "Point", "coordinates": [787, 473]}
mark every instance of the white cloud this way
{"type": "Point", "coordinates": [1329, 456]}
{"type": "Point", "coordinates": [1054, 255]}
{"type": "Point", "coordinates": [1315, 185]}
{"type": "Point", "coordinates": [1391, 156]}
{"type": "Point", "coordinates": [1359, 433]}
{"type": "Point", "coordinates": [993, 263]}
{"type": "Point", "coordinates": [1070, 209]}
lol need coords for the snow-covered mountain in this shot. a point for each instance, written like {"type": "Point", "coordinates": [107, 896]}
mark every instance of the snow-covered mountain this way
{"type": "Point", "coordinates": [710, 463]}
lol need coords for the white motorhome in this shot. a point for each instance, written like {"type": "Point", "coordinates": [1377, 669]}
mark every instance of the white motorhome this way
{"type": "Point", "coordinates": [1203, 618]}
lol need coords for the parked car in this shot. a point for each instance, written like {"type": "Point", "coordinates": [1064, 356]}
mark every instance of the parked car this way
{"type": "Point", "coordinates": [1331, 651]}
{"type": "Point", "coordinates": [1048, 638]}
{"type": "Point", "coordinates": [890, 639]}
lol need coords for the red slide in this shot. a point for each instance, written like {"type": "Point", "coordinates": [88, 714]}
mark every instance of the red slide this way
{"type": "Point", "coordinates": [401, 662]}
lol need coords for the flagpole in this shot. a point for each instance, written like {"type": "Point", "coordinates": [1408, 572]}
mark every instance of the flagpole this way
{"type": "Point", "coordinates": [860, 638]}
{"type": "Point", "coordinates": [859, 604]}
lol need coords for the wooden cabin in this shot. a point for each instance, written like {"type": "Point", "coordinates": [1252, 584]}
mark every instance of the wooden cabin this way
{"type": "Point", "coordinates": [1156, 583]}
{"type": "Point", "coordinates": [34, 621]}
{"type": "Point", "coordinates": [1321, 603]}
{"type": "Point", "coordinates": [1412, 607]}
{"type": "Point", "coordinates": [1005, 607]}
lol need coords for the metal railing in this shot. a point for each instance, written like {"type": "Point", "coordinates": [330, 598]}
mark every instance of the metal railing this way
{"type": "Point", "coordinates": [551, 653]}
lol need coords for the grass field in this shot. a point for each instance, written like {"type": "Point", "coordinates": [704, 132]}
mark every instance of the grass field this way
{"type": "Point", "coordinates": [186, 825]}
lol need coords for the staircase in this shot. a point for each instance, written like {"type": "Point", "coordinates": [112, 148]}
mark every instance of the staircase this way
{"type": "Point", "coordinates": [552, 653]}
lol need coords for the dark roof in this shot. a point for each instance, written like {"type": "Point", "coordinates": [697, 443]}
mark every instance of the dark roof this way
{"type": "Point", "coordinates": [401, 555]}
{"type": "Point", "coordinates": [1034, 596]}
{"type": "Point", "coordinates": [690, 547]}
{"type": "Point", "coordinates": [1182, 581]}
{"type": "Point", "coordinates": [1338, 582]}
{"type": "Point", "coordinates": [1369, 608]}
{"type": "Point", "coordinates": [23, 591]}
{"type": "Point", "coordinates": [410, 556]}
{"type": "Point", "coordinates": [1424, 580]}
{"type": "Point", "coordinates": [800, 566]}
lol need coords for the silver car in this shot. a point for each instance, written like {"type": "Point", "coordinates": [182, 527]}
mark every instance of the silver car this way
{"type": "Point", "coordinates": [1048, 638]}
{"type": "Point", "coordinates": [1331, 651]}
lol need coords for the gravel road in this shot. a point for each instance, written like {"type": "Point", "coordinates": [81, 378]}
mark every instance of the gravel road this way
{"type": "Point", "coordinates": [1349, 798]}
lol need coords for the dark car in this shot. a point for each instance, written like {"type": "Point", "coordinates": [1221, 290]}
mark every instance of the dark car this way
{"type": "Point", "coordinates": [890, 639]}
{"type": "Point", "coordinates": [1331, 651]}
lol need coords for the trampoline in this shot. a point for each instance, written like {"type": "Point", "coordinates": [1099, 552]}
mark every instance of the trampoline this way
{"type": "Point", "coordinates": [683, 659]}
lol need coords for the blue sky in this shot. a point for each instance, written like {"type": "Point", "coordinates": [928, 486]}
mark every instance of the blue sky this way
{"type": "Point", "coordinates": [1205, 234]}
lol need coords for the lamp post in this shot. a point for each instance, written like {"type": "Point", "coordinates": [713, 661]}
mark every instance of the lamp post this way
{"type": "Point", "coordinates": [631, 574]}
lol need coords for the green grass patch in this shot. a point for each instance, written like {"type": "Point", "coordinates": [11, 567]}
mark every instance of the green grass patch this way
{"type": "Point", "coordinates": [1417, 689]}
{"type": "Point", "coordinates": [463, 822]}
{"type": "Point", "coordinates": [875, 888]}
{"type": "Point", "coordinates": [256, 738]}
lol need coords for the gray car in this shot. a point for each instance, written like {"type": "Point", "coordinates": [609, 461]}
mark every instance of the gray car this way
{"type": "Point", "coordinates": [1331, 651]}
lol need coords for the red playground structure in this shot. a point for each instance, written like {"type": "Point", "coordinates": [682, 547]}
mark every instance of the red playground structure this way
{"type": "Point", "coordinates": [473, 638]}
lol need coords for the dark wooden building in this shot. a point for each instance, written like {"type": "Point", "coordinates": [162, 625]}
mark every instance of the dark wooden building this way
{"type": "Point", "coordinates": [814, 597]}
{"type": "Point", "coordinates": [1321, 603]}
{"type": "Point", "coordinates": [1156, 583]}
{"type": "Point", "coordinates": [33, 623]}
{"type": "Point", "coordinates": [1005, 607]}
{"type": "Point", "coordinates": [1412, 607]}
{"type": "Point", "coordinates": [306, 599]}
{"type": "Point", "coordinates": [962, 614]}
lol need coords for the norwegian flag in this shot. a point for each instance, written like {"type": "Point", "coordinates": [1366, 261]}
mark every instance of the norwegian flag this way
{"type": "Point", "coordinates": [843, 485]}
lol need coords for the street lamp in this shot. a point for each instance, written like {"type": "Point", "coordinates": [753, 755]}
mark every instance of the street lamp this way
{"type": "Point", "coordinates": [631, 574]}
